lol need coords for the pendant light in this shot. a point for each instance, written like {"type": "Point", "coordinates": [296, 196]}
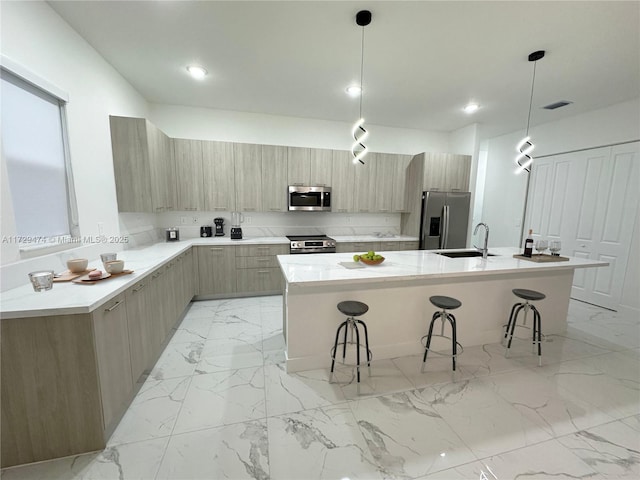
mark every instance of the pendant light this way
{"type": "Point", "coordinates": [525, 147]}
{"type": "Point", "coordinates": [358, 132]}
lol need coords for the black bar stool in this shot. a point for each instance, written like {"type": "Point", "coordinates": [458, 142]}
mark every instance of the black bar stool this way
{"type": "Point", "coordinates": [352, 309]}
{"type": "Point", "coordinates": [445, 303]}
{"type": "Point", "coordinates": [528, 296]}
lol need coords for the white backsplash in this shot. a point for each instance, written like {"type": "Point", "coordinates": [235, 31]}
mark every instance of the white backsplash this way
{"type": "Point", "coordinates": [272, 224]}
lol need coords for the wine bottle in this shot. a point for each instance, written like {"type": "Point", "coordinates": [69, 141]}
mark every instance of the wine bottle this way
{"type": "Point", "coordinates": [528, 245]}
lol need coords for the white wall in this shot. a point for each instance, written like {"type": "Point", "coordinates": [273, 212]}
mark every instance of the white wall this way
{"type": "Point", "coordinates": [231, 126]}
{"type": "Point", "coordinates": [504, 192]}
{"type": "Point", "coordinates": [36, 38]}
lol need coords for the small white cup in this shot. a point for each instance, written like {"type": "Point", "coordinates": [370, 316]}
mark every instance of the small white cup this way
{"type": "Point", "coordinates": [114, 266]}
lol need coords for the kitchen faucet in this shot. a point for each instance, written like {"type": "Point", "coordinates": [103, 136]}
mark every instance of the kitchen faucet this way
{"type": "Point", "coordinates": [485, 250]}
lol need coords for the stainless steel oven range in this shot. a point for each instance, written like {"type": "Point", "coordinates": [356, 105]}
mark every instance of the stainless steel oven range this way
{"type": "Point", "coordinates": [311, 244]}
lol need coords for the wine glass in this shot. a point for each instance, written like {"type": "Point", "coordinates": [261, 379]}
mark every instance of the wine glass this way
{"type": "Point", "coordinates": [541, 246]}
{"type": "Point", "coordinates": [554, 247]}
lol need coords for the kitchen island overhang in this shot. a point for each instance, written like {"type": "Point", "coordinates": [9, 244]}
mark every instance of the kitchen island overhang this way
{"type": "Point", "coordinates": [398, 292]}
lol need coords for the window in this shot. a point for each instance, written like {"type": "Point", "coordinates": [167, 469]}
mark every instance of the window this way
{"type": "Point", "coordinates": [34, 150]}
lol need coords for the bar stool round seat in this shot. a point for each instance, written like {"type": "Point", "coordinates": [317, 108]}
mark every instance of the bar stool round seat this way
{"type": "Point", "coordinates": [527, 296]}
{"type": "Point", "coordinates": [352, 309]}
{"type": "Point", "coordinates": [444, 303]}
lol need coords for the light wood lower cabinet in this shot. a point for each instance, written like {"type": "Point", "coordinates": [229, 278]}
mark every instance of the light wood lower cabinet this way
{"type": "Point", "coordinates": [68, 379]}
{"type": "Point", "coordinates": [257, 268]}
{"type": "Point", "coordinates": [388, 246]}
{"type": "Point", "coordinates": [216, 270]}
{"type": "Point", "coordinates": [111, 337]}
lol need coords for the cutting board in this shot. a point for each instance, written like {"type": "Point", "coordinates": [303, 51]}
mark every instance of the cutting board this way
{"type": "Point", "coordinates": [85, 280]}
{"type": "Point", "coordinates": [67, 276]}
{"type": "Point", "coordinates": [541, 258]}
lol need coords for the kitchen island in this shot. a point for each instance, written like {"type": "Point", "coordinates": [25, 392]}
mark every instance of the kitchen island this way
{"type": "Point", "coordinates": [398, 290]}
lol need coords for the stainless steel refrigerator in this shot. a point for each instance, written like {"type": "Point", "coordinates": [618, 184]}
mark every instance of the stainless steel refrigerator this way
{"type": "Point", "coordinates": [444, 220]}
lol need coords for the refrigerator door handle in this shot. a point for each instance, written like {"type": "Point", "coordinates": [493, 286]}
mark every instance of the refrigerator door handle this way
{"type": "Point", "coordinates": [445, 230]}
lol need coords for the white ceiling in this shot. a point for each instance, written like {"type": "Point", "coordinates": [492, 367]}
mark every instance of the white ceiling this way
{"type": "Point", "coordinates": [423, 60]}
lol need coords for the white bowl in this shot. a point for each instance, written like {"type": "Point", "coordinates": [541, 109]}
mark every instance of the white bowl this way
{"type": "Point", "coordinates": [77, 265]}
{"type": "Point", "coordinates": [114, 266]}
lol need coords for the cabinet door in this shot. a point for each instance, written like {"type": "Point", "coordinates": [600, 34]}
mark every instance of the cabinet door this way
{"type": "Point", "coordinates": [111, 336]}
{"type": "Point", "coordinates": [274, 178]}
{"type": "Point", "coordinates": [320, 167]}
{"type": "Point", "coordinates": [363, 247]}
{"type": "Point", "coordinates": [141, 346]}
{"type": "Point", "coordinates": [219, 176]}
{"type": "Point", "coordinates": [248, 170]}
{"type": "Point", "coordinates": [188, 162]}
{"type": "Point", "coordinates": [457, 173]}
{"type": "Point", "coordinates": [260, 280]}
{"type": "Point", "coordinates": [189, 277]}
{"type": "Point", "coordinates": [365, 185]}
{"type": "Point", "coordinates": [157, 167]}
{"type": "Point", "coordinates": [435, 166]}
{"type": "Point", "coordinates": [399, 202]}
{"type": "Point", "coordinates": [298, 166]}
{"type": "Point", "coordinates": [344, 247]}
{"type": "Point", "coordinates": [156, 293]}
{"type": "Point", "coordinates": [166, 151]}
{"type": "Point", "coordinates": [131, 164]}
{"type": "Point", "coordinates": [385, 169]}
{"type": "Point", "coordinates": [343, 182]}
{"type": "Point", "coordinates": [216, 270]}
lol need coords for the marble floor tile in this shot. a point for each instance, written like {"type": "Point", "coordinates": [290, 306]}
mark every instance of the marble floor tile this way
{"type": "Point", "coordinates": [177, 360]}
{"type": "Point", "coordinates": [483, 360]}
{"type": "Point", "coordinates": [231, 361]}
{"type": "Point", "coordinates": [612, 449]}
{"type": "Point", "coordinates": [624, 367]}
{"type": "Point", "coordinates": [544, 460]}
{"type": "Point", "coordinates": [325, 443]}
{"type": "Point", "coordinates": [557, 411]}
{"type": "Point", "coordinates": [232, 346]}
{"type": "Point", "coordinates": [385, 378]}
{"type": "Point", "coordinates": [193, 332]}
{"type": "Point", "coordinates": [222, 398]}
{"type": "Point", "coordinates": [436, 370]}
{"type": "Point", "coordinates": [618, 398]}
{"type": "Point", "coordinates": [233, 327]}
{"type": "Point", "coordinates": [486, 422]}
{"type": "Point", "coordinates": [134, 460]}
{"type": "Point", "coordinates": [235, 452]}
{"type": "Point", "coordinates": [633, 421]}
{"type": "Point", "coordinates": [286, 393]}
{"type": "Point", "coordinates": [407, 437]}
{"type": "Point", "coordinates": [153, 412]}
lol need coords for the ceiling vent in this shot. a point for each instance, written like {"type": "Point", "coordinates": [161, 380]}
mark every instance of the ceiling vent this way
{"type": "Point", "coordinates": [553, 106]}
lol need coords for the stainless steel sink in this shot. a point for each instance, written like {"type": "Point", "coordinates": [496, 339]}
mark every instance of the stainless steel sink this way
{"type": "Point", "coordinates": [465, 254]}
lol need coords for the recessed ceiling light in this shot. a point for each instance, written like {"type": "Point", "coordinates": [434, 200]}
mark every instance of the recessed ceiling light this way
{"type": "Point", "coordinates": [197, 71]}
{"type": "Point", "coordinates": [354, 90]}
{"type": "Point", "coordinates": [472, 107]}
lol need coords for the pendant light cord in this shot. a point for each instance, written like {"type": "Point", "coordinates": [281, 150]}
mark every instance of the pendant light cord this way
{"type": "Point", "coordinates": [361, 70]}
{"type": "Point", "coordinates": [533, 82]}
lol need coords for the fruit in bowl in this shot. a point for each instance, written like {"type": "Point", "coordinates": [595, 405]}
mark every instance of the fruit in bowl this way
{"type": "Point", "coordinates": [369, 258]}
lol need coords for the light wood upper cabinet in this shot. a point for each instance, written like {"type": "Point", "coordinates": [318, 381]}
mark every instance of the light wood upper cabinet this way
{"type": "Point", "coordinates": [219, 176]}
{"type": "Point", "coordinates": [131, 166]}
{"type": "Point", "coordinates": [385, 174]}
{"type": "Point", "coordinates": [274, 178]}
{"type": "Point", "coordinates": [365, 184]}
{"type": "Point", "coordinates": [320, 167]}
{"type": "Point", "coordinates": [188, 164]}
{"type": "Point", "coordinates": [457, 173]}
{"type": "Point", "coordinates": [342, 188]}
{"type": "Point", "coordinates": [248, 169]}
{"type": "Point", "coordinates": [163, 188]}
{"type": "Point", "coordinates": [446, 172]}
{"type": "Point", "coordinates": [399, 202]}
{"type": "Point", "coordinates": [298, 166]}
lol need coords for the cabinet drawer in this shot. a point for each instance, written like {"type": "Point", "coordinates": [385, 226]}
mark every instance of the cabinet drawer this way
{"type": "Point", "coordinates": [389, 246]}
{"type": "Point", "coordinates": [259, 280]}
{"type": "Point", "coordinates": [362, 247]}
{"type": "Point", "coordinates": [257, 262]}
{"type": "Point", "coordinates": [261, 250]}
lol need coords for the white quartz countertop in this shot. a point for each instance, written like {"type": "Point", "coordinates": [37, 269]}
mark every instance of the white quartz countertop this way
{"type": "Point", "coordinates": [318, 269]}
{"type": "Point", "coordinates": [70, 298]}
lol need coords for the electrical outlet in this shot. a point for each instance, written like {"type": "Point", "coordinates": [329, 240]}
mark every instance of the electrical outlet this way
{"type": "Point", "coordinates": [100, 228]}
{"type": "Point", "coordinates": [194, 220]}
{"type": "Point", "coordinates": [183, 220]}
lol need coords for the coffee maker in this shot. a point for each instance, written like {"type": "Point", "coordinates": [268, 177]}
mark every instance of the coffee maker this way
{"type": "Point", "coordinates": [219, 224]}
{"type": "Point", "coordinates": [236, 231]}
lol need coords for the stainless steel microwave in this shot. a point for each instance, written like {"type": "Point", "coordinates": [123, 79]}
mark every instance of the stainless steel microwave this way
{"type": "Point", "coordinates": [309, 199]}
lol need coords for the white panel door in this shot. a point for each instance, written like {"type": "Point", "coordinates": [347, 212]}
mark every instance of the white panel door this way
{"type": "Point", "coordinates": [589, 201]}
